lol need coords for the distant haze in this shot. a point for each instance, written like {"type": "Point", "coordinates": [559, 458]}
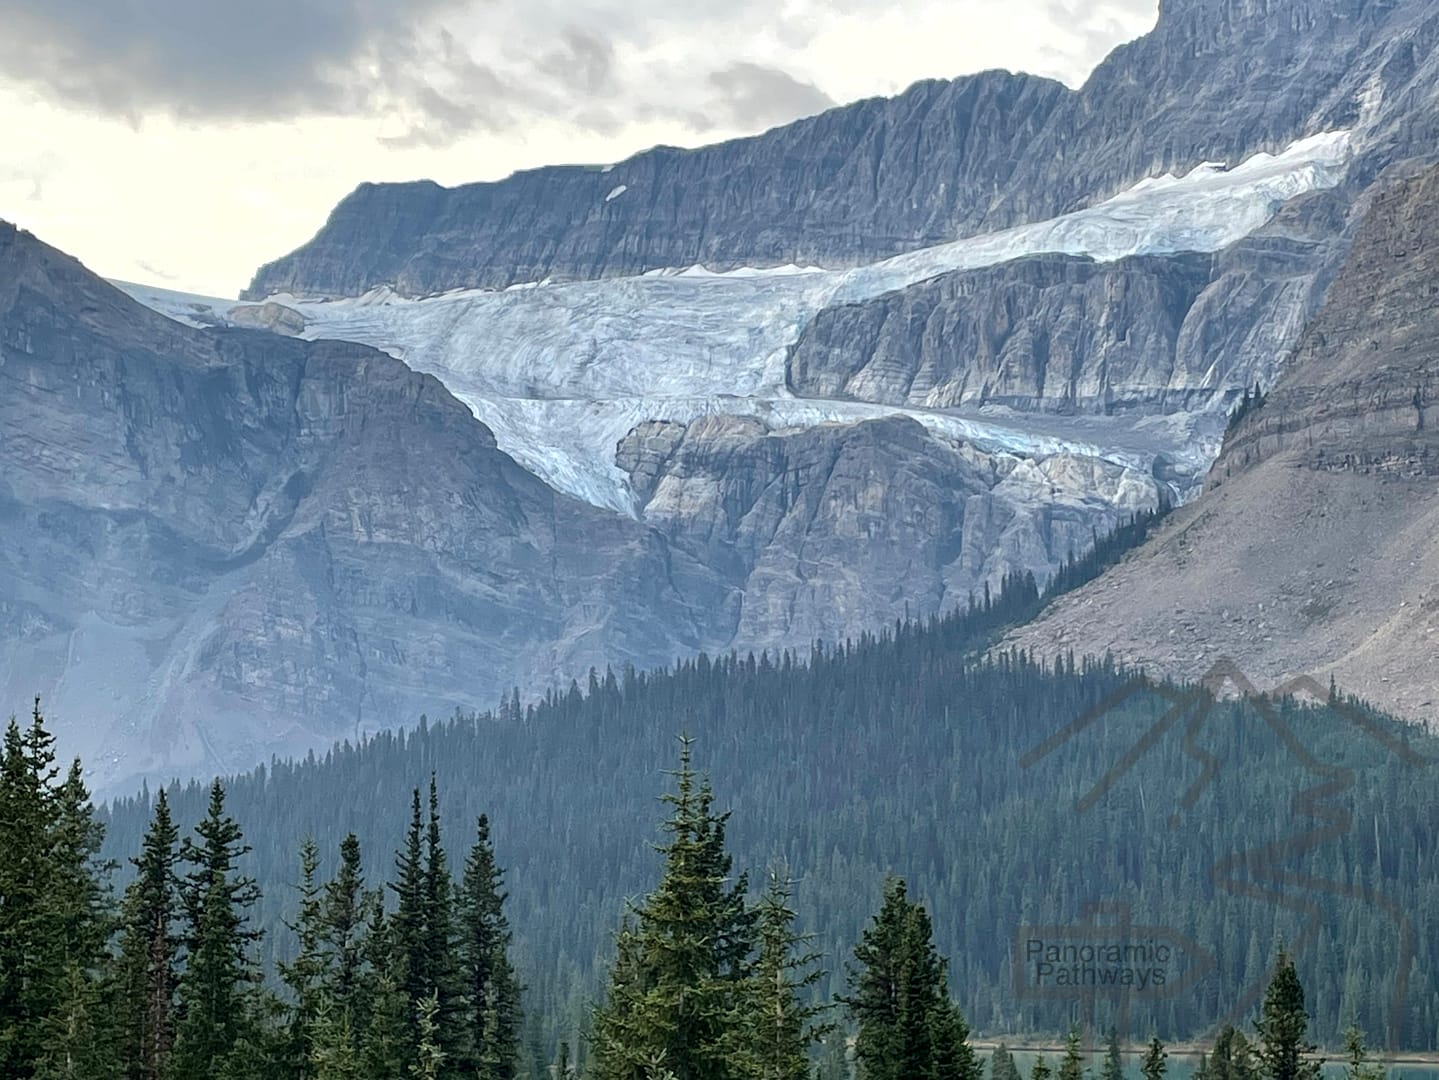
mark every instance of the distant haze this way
{"type": "Point", "coordinates": [186, 142]}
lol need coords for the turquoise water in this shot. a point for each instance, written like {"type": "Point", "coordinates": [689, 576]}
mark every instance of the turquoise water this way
{"type": "Point", "coordinates": [1182, 1066]}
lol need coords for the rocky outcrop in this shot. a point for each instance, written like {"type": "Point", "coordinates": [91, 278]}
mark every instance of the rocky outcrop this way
{"type": "Point", "coordinates": [277, 318]}
{"type": "Point", "coordinates": [1044, 333]}
{"type": "Point", "coordinates": [1055, 333]}
{"type": "Point", "coordinates": [220, 545]}
{"type": "Point", "coordinates": [1313, 550]}
{"type": "Point", "coordinates": [1215, 80]}
{"type": "Point", "coordinates": [835, 529]}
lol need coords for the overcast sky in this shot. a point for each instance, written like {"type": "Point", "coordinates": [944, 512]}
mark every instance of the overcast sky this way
{"type": "Point", "coordinates": [184, 142]}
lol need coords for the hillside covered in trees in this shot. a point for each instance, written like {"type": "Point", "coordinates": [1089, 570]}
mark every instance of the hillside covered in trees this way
{"type": "Point", "coordinates": [1007, 794]}
{"type": "Point", "coordinates": [413, 978]}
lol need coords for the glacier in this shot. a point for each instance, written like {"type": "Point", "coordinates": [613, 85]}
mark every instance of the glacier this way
{"type": "Point", "coordinates": [561, 372]}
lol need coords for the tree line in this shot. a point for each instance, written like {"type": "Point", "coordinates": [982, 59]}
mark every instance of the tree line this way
{"type": "Point", "coordinates": [407, 978]}
{"type": "Point", "coordinates": [413, 980]}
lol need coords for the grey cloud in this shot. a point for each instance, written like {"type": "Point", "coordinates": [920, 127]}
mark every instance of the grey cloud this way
{"type": "Point", "coordinates": [155, 271]}
{"type": "Point", "coordinates": [395, 61]}
{"type": "Point", "coordinates": [753, 95]}
{"type": "Point", "coordinates": [203, 59]}
{"type": "Point", "coordinates": [583, 63]}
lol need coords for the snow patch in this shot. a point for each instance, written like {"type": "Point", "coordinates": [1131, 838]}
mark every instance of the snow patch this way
{"type": "Point", "coordinates": [616, 192]}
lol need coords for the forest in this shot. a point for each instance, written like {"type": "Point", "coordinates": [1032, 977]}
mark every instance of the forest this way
{"type": "Point", "coordinates": [414, 979]}
{"type": "Point", "coordinates": [1006, 792]}
{"type": "Point", "coordinates": [1026, 808]}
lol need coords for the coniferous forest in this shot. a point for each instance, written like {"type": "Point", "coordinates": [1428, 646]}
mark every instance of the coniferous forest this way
{"type": "Point", "coordinates": [708, 980]}
{"type": "Point", "coordinates": [461, 899]}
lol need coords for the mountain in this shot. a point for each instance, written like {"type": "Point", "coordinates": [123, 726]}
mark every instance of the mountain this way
{"type": "Point", "coordinates": [1215, 80]}
{"type": "Point", "coordinates": [302, 518]}
{"type": "Point", "coordinates": [229, 543]}
{"type": "Point", "coordinates": [978, 782]}
{"type": "Point", "coordinates": [223, 544]}
{"type": "Point", "coordinates": [1312, 550]}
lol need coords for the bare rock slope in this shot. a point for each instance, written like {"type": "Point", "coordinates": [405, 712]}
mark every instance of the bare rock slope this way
{"type": "Point", "coordinates": [1315, 549]}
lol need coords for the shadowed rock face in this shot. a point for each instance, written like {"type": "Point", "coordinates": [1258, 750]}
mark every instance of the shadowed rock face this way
{"type": "Point", "coordinates": [1055, 333]}
{"type": "Point", "coordinates": [220, 545]}
{"type": "Point", "coordinates": [836, 529]}
{"type": "Point", "coordinates": [1313, 550]}
{"type": "Point", "coordinates": [1215, 80]}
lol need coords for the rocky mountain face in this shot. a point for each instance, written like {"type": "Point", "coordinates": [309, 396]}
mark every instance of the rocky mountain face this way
{"type": "Point", "coordinates": [220, 545]}
{"type": "Point", "coordinates": [1312, 552]}
{"type": "Point", "coordinates": [825, 532]}
{"type": "Point", "coordinates": [1215, 80]}
{"type": "Point", "coordinates": [1056, 333]}
{"type": "Point", "coordinates": [223, 544]}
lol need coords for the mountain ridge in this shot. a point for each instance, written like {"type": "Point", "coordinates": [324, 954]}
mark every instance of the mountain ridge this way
{"type": "Point", "coordinates": [1215, 79]}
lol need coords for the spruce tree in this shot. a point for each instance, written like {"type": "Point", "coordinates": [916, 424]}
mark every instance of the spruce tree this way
{"type": "Point", "coordinates": [1283, 1025]}
{"type": "Point", "coordinates": [489, 987]}
{"type": "Point", "coordinates": [308, 972]}
{"type": "Point", "coordinates": [1040, 1071]}
{"type": "Point", "coordinates": [1113, 1062]}
{"type": "Point", "coordinates": [1357, 1065]}
{"type": "Point", "coordinates": [1071, 1066]}
{"type": "Point", "coordinates": [408, 962]}
{"type": "Point", "coordinates": [217, 989]}
{"type": "Point", "coordinates": [783, 1024]}
{"type": "Point", "coordinates": [680, 977]}
{"type": "Point", "coordinates": [334, 1053]}
{"type": "Point", "coordinates": [429, 1053]}
{"type": "Point", "coordinates": [345, 912]}
{"type": "Point", "coordinates": [28, 930]}
{"type": "Point", "coordinates": [149, 943]}
{"type": "Point", "coordinates": [899, 999]}
{"type": "Point", "coordinates": [1001, 1064]}
{"type": "Point", "coordinates": [438, 937]}
{"type": "Point", "coordinates": [1155, 1060]}
{"type": "Point", "coordinates": [1231, 1058]}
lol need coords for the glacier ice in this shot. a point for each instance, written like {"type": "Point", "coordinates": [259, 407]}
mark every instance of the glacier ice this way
{"type": "Point", "coordinates": [562, 371]}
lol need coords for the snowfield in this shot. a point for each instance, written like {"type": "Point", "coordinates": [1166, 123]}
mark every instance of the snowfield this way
{"type": "Point", "coordinates": [562, 372]}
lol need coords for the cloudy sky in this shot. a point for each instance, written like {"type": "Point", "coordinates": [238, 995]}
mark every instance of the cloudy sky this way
{"type": "Point", "coordinates": [184, 142]}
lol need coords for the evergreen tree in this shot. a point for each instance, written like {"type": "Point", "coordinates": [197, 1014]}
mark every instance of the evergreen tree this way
{"type": "Point", "coordinates": [438, 937]}
{"type": "Point", "coordinates": [28, 927]}
{"type": "Point", "coordinates": [217, 989]}
{"type": "Point", "coordinates": [1155, 1060]}
{"type": "Point", "coordinates": [1283, 1025]}
{"type": "Point", "coordinates": [308, 972]}
{"type": "Point", "coordinates": [1001, 1064]}
{"type": "Point", "coordinates": [334, 1054]}
{"type": "Point", "coordinates": [77, 1035]}
{"type": "Point", "coordinates": [1071, 1066]}
{"type": "Point", "coordinates": [782, 1028]}
{"type": "Point", "coordinates": [429, 1053]}
{"type": "Point", "coordinates": [386, 1045]}
{"type": "Point", "coordinates": [408, 961]}
{"type": "Point", "coordinates": [491, 991]}
{"type": "Point", "coordinates": [76, 1042]}
{"type": "Point", "coordinates": [1357, 1065]}
{"type": "Point", "coordinates": [1113, 1061]}
{"type": "Point", "coordinates": [343, 929]}
{"type": "Point", "coordinates": [680, 974]}
{"type": "Point", "coordinates": [1040, 1070]}
{"type": "Point", "coordinates": [148, 946]}
{"type": "Point", "coordinates": [1232, 1057]}
{"type": "Point", "coordinates": [907, 1027]}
